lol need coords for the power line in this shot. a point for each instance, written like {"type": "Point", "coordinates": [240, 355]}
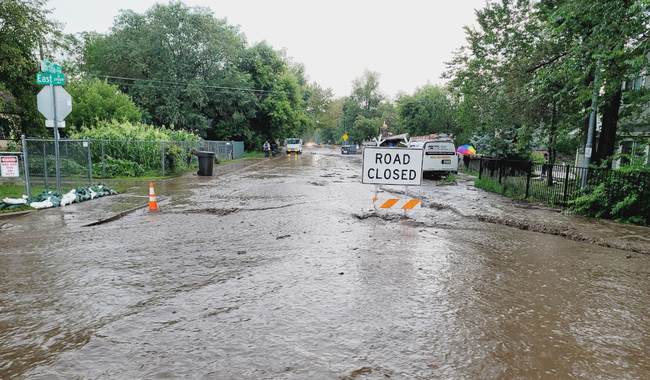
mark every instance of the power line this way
{"type": "Point", "coordinates": [181, 83]}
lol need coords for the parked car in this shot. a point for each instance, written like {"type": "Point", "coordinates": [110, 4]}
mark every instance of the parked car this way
{"type": "Point", "coordinates": [294, 145]}
{"type": "Point", "coordinates": [349, 149]}
{"type": "Point", "coordinates": [439, 155]}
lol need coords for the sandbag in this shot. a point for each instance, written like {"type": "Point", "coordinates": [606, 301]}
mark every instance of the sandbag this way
{"type": "Point", "coordinates": [43, 204]}
{"type": "Point", "coordinates": [69, 197]}
{"type": "Point", "coordinates": [15, 201]}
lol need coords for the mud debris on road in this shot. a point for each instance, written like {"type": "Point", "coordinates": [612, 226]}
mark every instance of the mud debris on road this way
{"type": "Point", "coordinates": [257, 273]}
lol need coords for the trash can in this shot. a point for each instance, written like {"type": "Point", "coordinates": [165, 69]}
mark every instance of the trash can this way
{"type": "Point", "coordinates": [206, 162]}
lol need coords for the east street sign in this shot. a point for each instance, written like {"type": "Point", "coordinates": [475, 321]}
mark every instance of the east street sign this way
{"type": "Point", "coordinates": [45, 78]}
{"type": "Point", "coordinates": [392, 166]}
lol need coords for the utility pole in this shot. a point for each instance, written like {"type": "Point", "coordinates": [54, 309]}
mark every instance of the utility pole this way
{"type": "Point", "coordinates": [592, 124]}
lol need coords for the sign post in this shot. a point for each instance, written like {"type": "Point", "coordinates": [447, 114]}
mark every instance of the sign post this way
{"type": "Point", "coordinates": [55, 104]}
{"type": "Point", "coordinates": [392, 166]}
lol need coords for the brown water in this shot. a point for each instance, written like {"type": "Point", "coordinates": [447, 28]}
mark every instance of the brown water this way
{"type": "Point", "coordinates": [265, 272]}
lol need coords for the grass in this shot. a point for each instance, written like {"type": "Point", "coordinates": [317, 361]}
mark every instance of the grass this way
{"type": "Point", "coordinates": [246, 156]}
{"type": "Point", "coordinates": [449, 179]}
{"type": "Point", "coordinates": [515, 187]}
{"type": "Point", "coordinates": [489, 184]}
{"type": "Point", "coordinates": [16, 209]}
{"type": "Point", "coordinates": [251, 154]}
{"type": "Point", "coordinates": [16, 190]}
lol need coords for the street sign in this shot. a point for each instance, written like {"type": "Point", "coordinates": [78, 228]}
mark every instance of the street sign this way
{"type": "Point", "coordinates": [392, 166]}
{"type": "Point", "coordinates": [9, 166]}
{"type": "Point", "coordinates": [46, 106]}
{"type": "Point", "coordinates": [50, 67]}
{"type": "Point", "coordinates": [45, 78]}
{"type": "Point", "coordinates": [345, 136]}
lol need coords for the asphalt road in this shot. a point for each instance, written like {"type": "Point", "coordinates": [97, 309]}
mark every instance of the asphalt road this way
{"type": "Point", "coordinates": [280, 269]}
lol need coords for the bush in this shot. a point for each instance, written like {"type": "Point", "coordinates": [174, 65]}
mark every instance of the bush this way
{"type": "Point", "coordinates": [624, 195]}
{"type": "Point", "coordinates": [115, 167]}
{"type": "Point", "coordinates": [96, 100]}
{"type": "Point", "coordinates": [139, 144]}
{"type": "Point", "coordinates": [69, 167]}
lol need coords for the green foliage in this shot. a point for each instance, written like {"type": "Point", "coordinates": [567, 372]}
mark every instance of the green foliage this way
{"type": "Point", "coordinates": [205, 78]}
{"type": "Point", "coordinates": [449, 179]}
{"type": "Point", "coordinates": [69, 167]}
{"type": "Point", "coordinates": [537, 158]}
{"type": "Point", "coordinates": [428, 110]}
{"type": "Point", "coordinates": [114, 130]}
{"type": "Point", "coordinates": [115, 167]}
{"type": "Point", "coordinates": [363, 112]}
{"type": "Point", "coordinates": [95, 100]}
{"type": "Point", "coordinates": [135, 148]}
{"type": "Point", "coordinates": [488, 184]}
{"type": "Point", "coordinates": [365, 128]}
{"type": "Point", "coordinates": [624, 196]}
{"type": "Point", "coordinates": [23, 26]}
{"type": "Point", "coordinates": [528, 69]}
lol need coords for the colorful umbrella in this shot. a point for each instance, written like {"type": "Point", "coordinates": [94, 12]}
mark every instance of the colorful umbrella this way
{"type": "Point", "coordinates": [466, 150]}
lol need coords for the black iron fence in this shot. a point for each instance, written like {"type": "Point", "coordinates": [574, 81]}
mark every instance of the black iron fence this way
{"type": "Point", "coordinates": [552, 184]}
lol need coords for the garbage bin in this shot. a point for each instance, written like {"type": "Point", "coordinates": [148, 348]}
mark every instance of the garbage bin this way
{"type": "Point", "coordinates": [206, 163]}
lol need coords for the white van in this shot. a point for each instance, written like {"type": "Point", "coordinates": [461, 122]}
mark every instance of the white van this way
{"type": "Point", "coordinates": [294, 145]}
{"type": "Point", "coordinates": [439, 155]}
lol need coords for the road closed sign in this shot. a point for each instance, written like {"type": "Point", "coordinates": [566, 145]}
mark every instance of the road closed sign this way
{"type": "Point", "coordinates": [392, 166]}
{"type": "Point", "coordinates": [9, 166]}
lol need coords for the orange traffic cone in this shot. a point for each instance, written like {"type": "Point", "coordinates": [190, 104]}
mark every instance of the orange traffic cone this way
{"type": "Point", "coordinates": [153, 202]}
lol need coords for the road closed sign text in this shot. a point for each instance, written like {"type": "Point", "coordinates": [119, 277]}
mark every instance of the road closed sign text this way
{"type": "Point", "coordinates": [9, 166]}
{"type": "Point", "coordinates": [392, 166]}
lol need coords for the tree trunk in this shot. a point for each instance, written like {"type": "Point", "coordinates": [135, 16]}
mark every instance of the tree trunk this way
{"type": "Point", "coordinates": [552, 142]}
{"type": "Point", "coordinates": [587, 106]}
{"type": "Point", "coordinates": [609, 126]}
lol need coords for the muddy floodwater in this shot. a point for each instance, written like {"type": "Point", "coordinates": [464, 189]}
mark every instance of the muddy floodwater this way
{"type": "Point", "coordinates": [278, 269]}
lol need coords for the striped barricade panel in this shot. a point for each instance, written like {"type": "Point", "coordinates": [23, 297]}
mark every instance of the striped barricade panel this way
{"type": "Point", "coordinates": [397, 203]}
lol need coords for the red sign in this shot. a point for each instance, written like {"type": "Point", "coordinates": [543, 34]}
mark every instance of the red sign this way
{"type": "Point", "coordinates": [9, 166]}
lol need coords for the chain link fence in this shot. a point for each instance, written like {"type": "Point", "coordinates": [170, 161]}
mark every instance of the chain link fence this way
{"type": "Point", "coordinates": [84, 162]}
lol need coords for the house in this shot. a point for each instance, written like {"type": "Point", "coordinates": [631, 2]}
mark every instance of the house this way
{"type": "Point", "coordinates": [634, 131]}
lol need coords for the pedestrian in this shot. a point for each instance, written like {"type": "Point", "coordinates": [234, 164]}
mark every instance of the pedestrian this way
{"type": "Point", "coordinates": [544, 165]}
{"type": "Point", "coordinates": [267, 149]}
{"type": "Point", "coordinates": [466, 161]}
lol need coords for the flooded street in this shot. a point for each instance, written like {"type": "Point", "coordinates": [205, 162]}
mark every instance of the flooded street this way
{"type": "Point", "coordinates": [277, 269]}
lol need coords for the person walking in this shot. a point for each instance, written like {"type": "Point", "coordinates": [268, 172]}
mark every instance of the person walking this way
{"type": "Point", "coordinates": [267, 149]}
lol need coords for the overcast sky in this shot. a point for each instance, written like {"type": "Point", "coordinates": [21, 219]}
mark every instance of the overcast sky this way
{"type": "Point", "coordinates": [406, 41]}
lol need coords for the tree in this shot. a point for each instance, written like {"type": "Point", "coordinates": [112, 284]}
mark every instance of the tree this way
{"type": "Point", "coordinates": [428, 110]}
{"type": "Point", "coordinates": [366, 95]}
{"type": "Point", "coordinates": [189, 60]}
{"type": "Point", "coordinates": [95, 100]}
{"type": "Point", "coordinates": [364, 103]}
{"type": "Point", "coordinates": [530, 67]}
{"type": "Point", "coordinates": [329, 122]}
{"type": "Point", "coordinates": [25, 32]}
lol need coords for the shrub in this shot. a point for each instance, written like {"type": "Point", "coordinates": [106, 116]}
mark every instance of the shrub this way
{"type": "Point", "coordinates": [96, 100]}
{"type": "Point", "coordinates": [139, 144]}
{"type": "Point", "coordinates": [69, 167]}
{"type": "Point", "coordinates": [115, 167]}
{"type": "Point", "coordinates": [624, 195]}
